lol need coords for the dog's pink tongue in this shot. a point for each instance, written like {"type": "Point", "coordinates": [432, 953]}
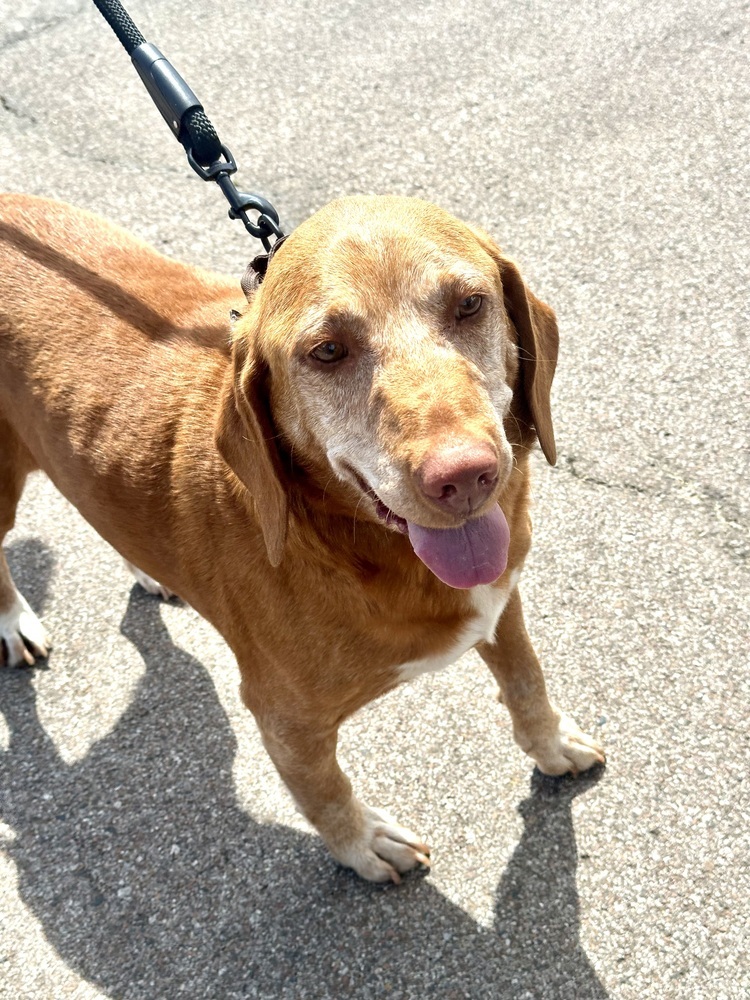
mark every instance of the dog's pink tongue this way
{"type": "Point", "coordinates": [464, 557]}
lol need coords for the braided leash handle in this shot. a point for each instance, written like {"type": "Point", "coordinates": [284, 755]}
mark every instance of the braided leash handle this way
{"type": "Point", "coordinates": [121, 23]}
{"type": "Point", "coordinates": [200, 136]}
{"type": "Point", "coordinates": [179, 106]}
{"type": "Point", "coordinates": [184, 114]}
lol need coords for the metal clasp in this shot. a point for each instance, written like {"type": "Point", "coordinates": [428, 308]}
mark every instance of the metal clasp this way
{"type": "Point", "coordinates": [266, 224]}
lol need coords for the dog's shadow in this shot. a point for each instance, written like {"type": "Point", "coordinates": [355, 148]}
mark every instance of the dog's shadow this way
{"type": "Point", "coordinates": [150, 881]}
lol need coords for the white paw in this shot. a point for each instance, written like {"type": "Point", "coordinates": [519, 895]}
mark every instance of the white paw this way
{"type": "Point", "coordinates": [148, 583]}
{"type": "Point", "coordinates": [569, 749]}
{"type": "Point", "coordinates": [384, 850]}
{"type": "Point", "coordinates": [22, 635]}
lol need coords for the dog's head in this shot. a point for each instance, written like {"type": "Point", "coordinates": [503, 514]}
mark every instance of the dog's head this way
{"type": "Point", "coordinates": [396, 353]}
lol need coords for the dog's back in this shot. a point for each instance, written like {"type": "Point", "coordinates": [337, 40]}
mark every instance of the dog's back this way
{"type": "Point", "coordinates": [115, 343]}
{"type": "Point", "coordinates": [54, 254]}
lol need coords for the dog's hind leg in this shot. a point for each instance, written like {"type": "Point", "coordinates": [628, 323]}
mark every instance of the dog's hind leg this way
{"type": "Point", "coordinates": [148, 583]}
{"type": "Point", "coordinates": [22, 635]}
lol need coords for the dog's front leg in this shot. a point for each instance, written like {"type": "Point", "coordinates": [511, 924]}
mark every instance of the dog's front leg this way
{"type": "Point", "coordinates": [552, 739]}
{"type": "Point", "coordinates": [360, 837]}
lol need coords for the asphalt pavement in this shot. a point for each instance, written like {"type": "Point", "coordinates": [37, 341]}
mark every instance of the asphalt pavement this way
{"type": "Point", "coordinates": [148, 848]}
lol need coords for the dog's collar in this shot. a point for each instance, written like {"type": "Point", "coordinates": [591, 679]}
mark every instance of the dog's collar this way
{"type": "Point", "coordinates": [257, 268]}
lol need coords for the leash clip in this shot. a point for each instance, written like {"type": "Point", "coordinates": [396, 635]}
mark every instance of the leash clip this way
{"type": "Point", "coordinates": [266, 224]}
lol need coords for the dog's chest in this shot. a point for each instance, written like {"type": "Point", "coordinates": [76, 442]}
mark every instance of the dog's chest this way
{"type": "Point", "coordinates": [488, 603]}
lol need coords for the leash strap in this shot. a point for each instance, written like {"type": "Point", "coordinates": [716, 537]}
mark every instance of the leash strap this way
{"type": "Point", "coordinates": [184, 114]}
{"type": "Point", "coordinates": [256, 269]}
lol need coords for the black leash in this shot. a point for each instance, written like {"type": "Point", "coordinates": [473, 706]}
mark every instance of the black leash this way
{"type": "Point", "coordinates": [184, 114]}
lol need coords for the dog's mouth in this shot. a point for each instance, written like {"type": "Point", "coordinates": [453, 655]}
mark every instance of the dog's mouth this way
{"type": "Point", "coordinates": [390, 518]}
{"type": "Point", "coordinates": [463, 557]}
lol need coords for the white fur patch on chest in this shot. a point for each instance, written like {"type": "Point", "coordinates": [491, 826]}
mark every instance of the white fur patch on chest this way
{"type": "Point", "coordinates": [488, 603]}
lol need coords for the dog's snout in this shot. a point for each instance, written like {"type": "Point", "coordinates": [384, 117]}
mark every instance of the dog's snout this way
{"type": "Point", "coordinates": [460, 476]}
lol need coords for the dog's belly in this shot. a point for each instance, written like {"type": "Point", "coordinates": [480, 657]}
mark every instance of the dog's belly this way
{"type": "Point", "coordinates": [488, 602]}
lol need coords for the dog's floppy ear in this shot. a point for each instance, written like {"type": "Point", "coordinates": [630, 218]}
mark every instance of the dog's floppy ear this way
{"type": "Point", "coordinates": [246, 440]}
{"type": "Point", "coordinates": [538, 342]}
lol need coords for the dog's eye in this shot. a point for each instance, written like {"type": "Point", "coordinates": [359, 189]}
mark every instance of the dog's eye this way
{"type": "Point", "coordinates": [329, 352]}
{"type": "Point", "coordinates": [469, 306]}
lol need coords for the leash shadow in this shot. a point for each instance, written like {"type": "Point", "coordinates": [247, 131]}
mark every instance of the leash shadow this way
{"type": "Point", "coordinates": [150, 881]}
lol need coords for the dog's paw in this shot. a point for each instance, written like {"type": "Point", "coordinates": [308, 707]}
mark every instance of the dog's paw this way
{"type": "Point", "coordinates": [23, 638]}
{"type": "Point", "coordinates": [568, 749]}
{"type": "Point", "coordinates": [148, 583]}
{"type": "Point", "coordinates": [384, 850]}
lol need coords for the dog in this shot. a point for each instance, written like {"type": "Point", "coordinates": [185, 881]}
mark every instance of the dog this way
{"type": "Point", "coordinates": [340, 484]}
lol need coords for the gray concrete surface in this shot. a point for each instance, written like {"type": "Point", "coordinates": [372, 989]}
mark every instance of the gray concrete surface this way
{"type": "Point", "coordinates": [149, 850]}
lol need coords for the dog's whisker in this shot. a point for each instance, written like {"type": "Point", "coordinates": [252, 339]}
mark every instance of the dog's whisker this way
{"type": "Point", "coordinates": [354, 519]}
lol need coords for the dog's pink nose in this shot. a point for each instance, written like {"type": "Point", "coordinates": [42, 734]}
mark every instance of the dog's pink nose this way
{"type": "Point", "coordinates": [460, 476]}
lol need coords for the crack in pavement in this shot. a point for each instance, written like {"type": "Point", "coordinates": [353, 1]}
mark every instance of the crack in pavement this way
{"type": "Point", "coordinates": [37, 25]}
{"type": "Point", "coordinates": [708, 499]}
{"type": "Point", "coordinates": [126, 166]}
{"type": "Point", "coordinates": [7, 105]}
{"type": "Point", "coordinates": [570, 466]}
